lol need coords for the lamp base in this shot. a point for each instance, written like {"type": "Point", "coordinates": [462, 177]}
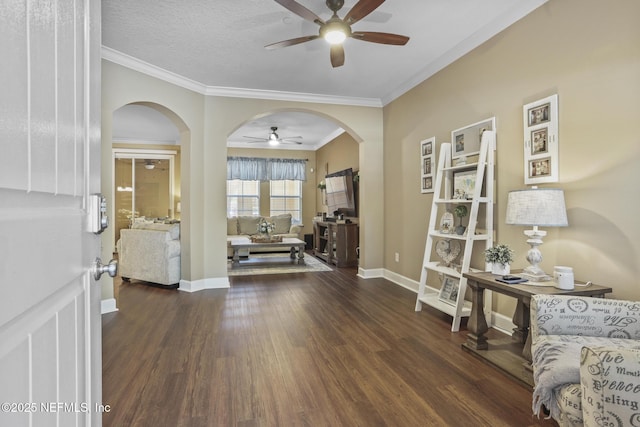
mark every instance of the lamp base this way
{"type": "Point", "coordinates": [535, 274]}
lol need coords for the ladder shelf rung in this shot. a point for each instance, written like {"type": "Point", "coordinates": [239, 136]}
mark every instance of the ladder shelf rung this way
{"type": "Point", "coordinates": [449, 271]}
{"type": "Point", "coordinates": [432, 300]}
{"type": "Point", "coordinates": [452, 201]}
{"type": "Point", "coordinates": [458, 236]}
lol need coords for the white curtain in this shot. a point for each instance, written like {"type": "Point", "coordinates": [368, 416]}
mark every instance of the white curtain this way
{"type": "Point", "coordinates": [261, 169]}
{"type": "Point", "coordinates": [281, 169]}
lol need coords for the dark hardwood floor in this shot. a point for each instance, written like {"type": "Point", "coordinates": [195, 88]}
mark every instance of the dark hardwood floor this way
{"type": "Point", "coordinates": [317, 349]}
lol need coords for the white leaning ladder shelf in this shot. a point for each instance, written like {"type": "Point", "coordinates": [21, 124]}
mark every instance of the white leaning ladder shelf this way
{"type": "Point", "coordinates": [443, 202]}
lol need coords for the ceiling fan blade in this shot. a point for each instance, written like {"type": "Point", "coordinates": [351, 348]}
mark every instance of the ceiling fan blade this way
{"type": "Point", "coordinates": [300, 10]}
{"type": "Point", "coordinates": [286, 141]}
{"type": "Point", "coordinates": [383, 38]}
{"type": "Point", "coordinates": [291, 42]}
{"type": "Point", "coordinates": [361, 9]}
{"type": "Point", "coordinates": [256, 138]}
{"type": "Point", "coordinates": [337, 55]}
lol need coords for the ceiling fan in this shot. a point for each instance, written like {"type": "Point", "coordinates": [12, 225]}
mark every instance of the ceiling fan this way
{"type": "Point", "coordinates": [274, 138]}
{"type": "Point", "coordinates": [151, 164]}
{"type": "Point", "coordinates": [336, 30]}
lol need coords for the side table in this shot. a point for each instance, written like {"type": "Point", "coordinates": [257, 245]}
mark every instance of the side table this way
{"type": "Point", "coordinates": [478, 343]}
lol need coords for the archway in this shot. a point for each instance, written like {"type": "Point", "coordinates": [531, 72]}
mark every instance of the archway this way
{"type": "Point", "coordinates": [330, 149]}
{"type": "Point", "coordinates": [149, 137]}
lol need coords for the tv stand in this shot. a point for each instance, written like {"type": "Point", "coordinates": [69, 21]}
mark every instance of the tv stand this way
{"type": "Point", "coordinates": [336, 243]}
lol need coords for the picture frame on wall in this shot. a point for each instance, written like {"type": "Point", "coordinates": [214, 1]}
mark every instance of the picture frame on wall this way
{"type": "Point", "coordinates": [449, 290]}
{"type": "Point", "coordinates": [427, 165]}
{"type": "Point", "coordinates": [466, 141]}
{"type": "Point", "coordinates": [540, 119]}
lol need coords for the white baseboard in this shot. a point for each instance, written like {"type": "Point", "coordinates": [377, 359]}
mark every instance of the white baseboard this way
{"type": "Point", "coordinates": [497, 321]}
{"type": "Point", "coordinates": [371, 273]}
{"type": "Point", "coordinates": [502, 323]}
{"type": "Point", "coordinates": [399, 279]}
{"type": "Point", "coordinates": [108, 306]}
{"type": "Point", "coordinates": [202, 284]}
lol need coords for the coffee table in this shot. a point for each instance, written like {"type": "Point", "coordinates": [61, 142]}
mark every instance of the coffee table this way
{"type": "Point", "coordinates": [296, 253]}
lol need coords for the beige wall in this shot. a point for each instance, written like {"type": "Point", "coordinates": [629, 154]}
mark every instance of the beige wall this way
{"type": "Point", "coordinates": [586, 51]}
{"type": "Point", "coordinates": [339, 154]}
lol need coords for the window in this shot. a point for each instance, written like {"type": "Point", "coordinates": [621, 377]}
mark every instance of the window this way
{"type": "Point", "coordinates": [243, 198]}
{"type": "Point", "coordinates": [286, 197]}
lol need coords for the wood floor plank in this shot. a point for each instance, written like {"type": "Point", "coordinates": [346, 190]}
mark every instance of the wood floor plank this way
{"type": "Point", "coordinates": [317, 349]}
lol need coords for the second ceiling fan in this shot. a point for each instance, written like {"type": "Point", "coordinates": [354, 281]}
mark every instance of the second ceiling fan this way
{"type": "Point", "coordinates": [275, 139]}
{"type": "Point", "coordinates": [335, 30]}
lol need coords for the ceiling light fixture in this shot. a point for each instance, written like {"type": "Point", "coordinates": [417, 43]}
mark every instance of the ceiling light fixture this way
{"type": "Point", "coordinates": [273, 137]}
{"type": "Point", "coordinates": [335, 31]}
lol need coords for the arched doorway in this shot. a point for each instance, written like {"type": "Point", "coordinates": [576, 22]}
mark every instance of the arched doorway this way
{"type": "Point", "coordinates": [147, 158]}
{"type": "Point", "coordinates": [319, 139]}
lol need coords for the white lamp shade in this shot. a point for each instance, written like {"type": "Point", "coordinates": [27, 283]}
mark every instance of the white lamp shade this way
{"type": "Point", "coordinates": [537, 207]}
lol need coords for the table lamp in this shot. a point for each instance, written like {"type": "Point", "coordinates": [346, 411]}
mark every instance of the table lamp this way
{"type": "Point", "coordinates": [536, 207]}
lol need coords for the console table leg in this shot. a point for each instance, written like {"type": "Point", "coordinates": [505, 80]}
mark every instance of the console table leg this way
{"type": "Point", "coordinates": [236, 258]}
{"type": "Point", "coordinates": [477, 324]}
{"type": "Point", "coordinates": [521, 320]}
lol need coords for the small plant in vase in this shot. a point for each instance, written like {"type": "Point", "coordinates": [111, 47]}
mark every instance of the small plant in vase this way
{"type": "Point", "coordinates": [500, 257]}
{"type": "Point", "coordinates": [460, 211]}
{"type": "Point", "coordinates": [265, 228]}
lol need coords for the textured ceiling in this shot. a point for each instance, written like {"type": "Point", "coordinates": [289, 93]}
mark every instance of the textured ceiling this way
{"type": "Point", "coordinates": [216, 46]}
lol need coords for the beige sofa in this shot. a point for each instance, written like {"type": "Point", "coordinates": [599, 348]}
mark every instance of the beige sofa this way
{"type": "Point", "coordinates": [150, 252]}
{"type": "Point", "coordinates": [247, 226]}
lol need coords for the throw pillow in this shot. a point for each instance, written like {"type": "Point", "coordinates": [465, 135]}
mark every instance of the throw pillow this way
{"type": "Point", "coordinates": [248, 224]}
{"type": "Point", "coordinates": [282, 223]}
{"type": "Point", "coordinates": [232, 226]}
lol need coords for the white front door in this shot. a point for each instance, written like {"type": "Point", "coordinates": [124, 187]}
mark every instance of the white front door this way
{"type": "Point", "coordinates": [50, 365]}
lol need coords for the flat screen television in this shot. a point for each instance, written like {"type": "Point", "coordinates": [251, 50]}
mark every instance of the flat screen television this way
{"type": "Point", "coordinates": [341, 198]}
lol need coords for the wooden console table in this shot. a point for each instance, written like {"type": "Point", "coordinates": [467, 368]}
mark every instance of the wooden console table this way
{"type": "Point", "coordinates": [500, 353]}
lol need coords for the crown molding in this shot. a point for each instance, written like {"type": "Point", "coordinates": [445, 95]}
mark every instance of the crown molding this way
{"type": "Point", "coordinates": [135, 64]}
{"type": "Point", "coordinates": [151, 70]}
{"type": "Point", "coordinates": [292, 96]}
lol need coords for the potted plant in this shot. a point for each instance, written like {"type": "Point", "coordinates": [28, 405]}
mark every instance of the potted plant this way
{"type": "Point", "coordinates": [500, 257]}
{"type": "Point", "coordinates": [460, 211]}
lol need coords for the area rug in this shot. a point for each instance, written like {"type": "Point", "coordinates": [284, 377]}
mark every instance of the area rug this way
{"type": "Point", "coordinates": [279, 264]}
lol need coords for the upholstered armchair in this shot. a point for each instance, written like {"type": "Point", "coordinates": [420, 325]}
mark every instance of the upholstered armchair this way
{"type": "Point", "coordinates": [150, 252]}
{"type": "Point", "coordinates": [586, 360]}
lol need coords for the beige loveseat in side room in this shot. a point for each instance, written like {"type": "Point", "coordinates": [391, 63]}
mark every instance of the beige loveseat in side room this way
{"type": "Point", "coordinates": [247, 226]}
{"type": "Point", "coordinates": [150, 252]}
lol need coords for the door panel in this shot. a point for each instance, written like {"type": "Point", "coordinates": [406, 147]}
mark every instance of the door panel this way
{"type": "Point", "coordinates": [14, 99]}
{"type": "Point", "coordinates": [50, 136]}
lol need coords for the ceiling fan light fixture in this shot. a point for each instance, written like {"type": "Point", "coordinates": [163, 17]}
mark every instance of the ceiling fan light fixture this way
{"type": "Point", "coordinates": [273, 137]}
{"type": "Point", "coordinates": [335, 36]}
{"type": "Point", "coordinates": [335, 31]}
